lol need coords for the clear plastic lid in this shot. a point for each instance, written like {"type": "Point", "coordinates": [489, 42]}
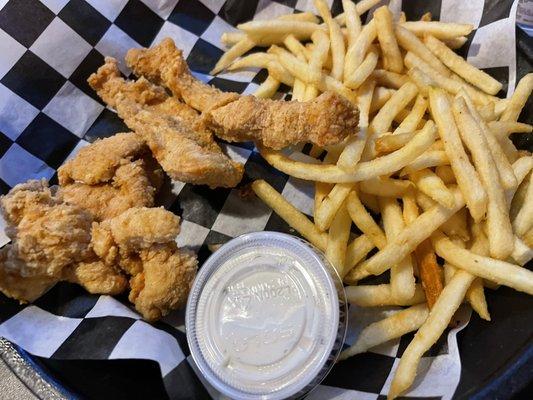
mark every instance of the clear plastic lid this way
{"type": "Point", "coordinates": [265, 317]}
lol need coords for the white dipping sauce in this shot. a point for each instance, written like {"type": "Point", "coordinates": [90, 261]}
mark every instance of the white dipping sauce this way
{"type": "Point", "coordinates": [263, 317]}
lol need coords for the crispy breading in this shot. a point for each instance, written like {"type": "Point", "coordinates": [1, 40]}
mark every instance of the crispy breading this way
{"type": "Point", "coordinates": [130, 187]}
{"type": "Point", "coordinates": [97, 277]}
{"type": "Point", "coordinates": [23, 289]}
{"type": "Point", "coordinates": [175, 134]}
{"type": "Point", "coordinates": [276, 124]}
{"type": "Point", "coordinates": [164, 65]}
{"type": "Point", "coordinates": [97, 162]}
{"type": "Point", "coordinates": [165, 281]}
{"type": "Point", "coordinates": [46, 234]}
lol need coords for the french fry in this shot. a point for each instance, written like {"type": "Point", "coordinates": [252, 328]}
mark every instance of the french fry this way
{"type": "Point", "coordinates": [268, 88]}
{"type": "Point", "coordinates": [385, 187]}
{"type": "Point", "coordinates": [336, 38]}
{"type": "Point", "coordinates": [521, 168]}
{"type": "Point", "coordinates": [414, 117]}
{"type": "Point", "coordinates": [456, 43]}
{"type": "Point", "coordinates": [362, 72]}
{"type": "Point", "coordinates": [278, 72]}
{"type": "Point", "coordinates": [241, 47]}
{"type": "Point", "coordinates": [290, 214]}
{"type": "Point", "coordinates": [410, 208]}
{"type": "Point", "coordinates": [501, 162]}
{"type": "Point", "coordinates": [298, 68]}
{"type": "Point", "coordinates": [231, 38]}
{"type": "Point", "coordinates": [518, 99]}
{"type": "Point", "coordinates": [355, 146]}
{"type": "Point", "coordinates": [392, 58]}
{"type": "Point", "coordinates": [311, 92]}
{"type": "Point", "coordinates": [402, 18]}
{"type": "Point", "coordinates": [438, 319]}
{"type": "Point", "coordinates": [421, 80]}
{"type": "Point", "coordinates": [254, 60]}
{"type": "Point", "coordinates": [441, 30]}
{"type": "Point", "coordinates": [304, 16]}
{"type": "Point", "coordinates": [380, 97]}
{"type": "Point", "coordinates": [364, 221]}
{"type": "Point", "coordinates": [429, 159]}
{"type": "Point", "coordinates": [338, 236]}
{"type": "Point", "coordinates": [410, 42]}
{"type": "Point", "coordinates": [398, 101]}
{"type": "Point", "coordinates": [353, 22]}
{"type": "Point", "coordinates": [519, 197]}
{"type": "Point", "coordinates": [497, 271]}
{"type": "Point", "coordinates": [429, 271]}
{"type": "Point", "coordinates": [523, 221]}
{"type": "Point", "coordinates": [392, 327]}
{"type": "Point", "coordinates": [361, 7]}
{"type": "Point", "coordinates": [392, 142]}
{"type": "Point", "coordinates": [404, 243]}
{"type": "Point", "coordinates": [356, 251]}
{"type": "Point", "coordinates": [487, 112]}
{"type": "Point", "coordinates": [319, 54]}
{"type": "Point", "coordinates": [384, 165]}
{"type": "Point", "coordinates": [278, 29]}
{"type": "Point", "coordinates": [295, 47]}
{"type": "Point", "coordinates": [498, 223]}
{"type": "Point", "coordinates": [522, 253]}
{"type": "Point", "coordinates": [388, 78]}
{"type": "Point", "coordinates": [356, 53]}
{"type": "Point", "coordinates": [458, 65]}
{"type": "Point", "coordinates": [445, 173]}
{"type": "Point", "coordinates": [429, 183]}
{"type": "Point", "coordinates": [450, 84]}
{"type": "Point", "coordinates": [426, 16]}
{"type": "Point", "coordinates": [402, 280]}
{"type": "Point", "coordinates": [331, 204]}
{"type": "Point", "coordinates": [380, 295]}
{"type": "Point", "coordinates": [465, 174]}
{"type": "Point", "coordinates": [502, 129]}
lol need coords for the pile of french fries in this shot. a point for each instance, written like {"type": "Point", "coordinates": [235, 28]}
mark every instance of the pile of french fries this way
{"type": "Point", "coordinates": [432, 157]}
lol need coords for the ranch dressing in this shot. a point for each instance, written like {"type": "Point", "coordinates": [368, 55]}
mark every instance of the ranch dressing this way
{"type": "Point", "coordinates": [266, 317]}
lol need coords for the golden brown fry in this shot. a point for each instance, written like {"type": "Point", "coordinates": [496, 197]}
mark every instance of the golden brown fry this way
{"type": "Point", "coordinates": [518, 99]}
{"type": "Point", "coordinates": [429, 271]}
{"type": "Point", "coordinates": [392, 58]}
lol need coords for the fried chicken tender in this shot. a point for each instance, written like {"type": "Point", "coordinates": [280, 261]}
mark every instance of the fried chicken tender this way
{"type": "Point", "coordinates": [24, 289]}
{"type": "Point", "coordinates": [46, 233]}
{"type": "Point", "coordinates": [174, 132]}
{"type": "Point", "coordinates": [130, 187]}
{"type": "Point", "coordinates": [276, 124]}
{"type": "Point", "coordinates": [165, 281]}
{"type": "Point", "coordinates": [97, 162]}
{"type": "Point", "coordinates": [141, 242]}
{"type": "Point", "coordinates": [97, 277]}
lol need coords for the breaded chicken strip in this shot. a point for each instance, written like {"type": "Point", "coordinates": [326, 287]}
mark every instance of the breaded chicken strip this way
{"type": "Point", "coordinates": [142, 243]}
{"type": "Point", "coordinates": [97, 277]}
{"type": "Point", "coordinates": [97, 162]}
{"type": "Point", "coordinates": [276, 124]}
{"type": "Point", "coordinates": [175, 134]}
{"type": "Point", "coordinates": [130, 187]}
{"type": "Point", "coordinates": [46, 234]}
{"type": "Point", "coordinates": [165, 281]}
{"type": "Point", "coordinates": [110, 176]}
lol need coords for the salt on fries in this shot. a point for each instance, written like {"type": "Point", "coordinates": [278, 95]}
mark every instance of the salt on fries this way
{"type": "Point", "coordinates": [432, 156]}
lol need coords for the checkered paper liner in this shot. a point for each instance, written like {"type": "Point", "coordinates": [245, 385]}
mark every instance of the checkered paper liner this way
{"type": "Point", "coordinates": [48, 112]}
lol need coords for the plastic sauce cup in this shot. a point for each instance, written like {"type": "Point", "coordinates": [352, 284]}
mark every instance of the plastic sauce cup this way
{"type": "Point", "coordinates": [266, 317]}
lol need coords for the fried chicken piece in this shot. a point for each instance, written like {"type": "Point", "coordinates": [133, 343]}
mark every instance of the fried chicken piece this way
{"type": "Point", "coordinates": [129, 188]}
{"type": "Point", "coordinates": [97, 277]}
{"type": "Point", "coordinates": [325, 120]}
{"type": "Point", "coordinates": [46, 233]}
{"type": "Point", "coordinates": [23, 289]}
{"type": "Point", "coordinates": [97, 162]}
{"type": "Point", "coordinates": [142, 243]}
{"type": "Point", "coordinates": [175, 134]}
{"type": "Point", "coordinates": [164, 65]}
{"type": "Point", "coordinates": [165, 281]}
{"type": "Point", "coordinates": [276, 124]}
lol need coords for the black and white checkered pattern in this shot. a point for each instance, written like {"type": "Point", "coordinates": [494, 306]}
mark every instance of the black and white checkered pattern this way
{"type": "Point", "coordinates": [48, 112]}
